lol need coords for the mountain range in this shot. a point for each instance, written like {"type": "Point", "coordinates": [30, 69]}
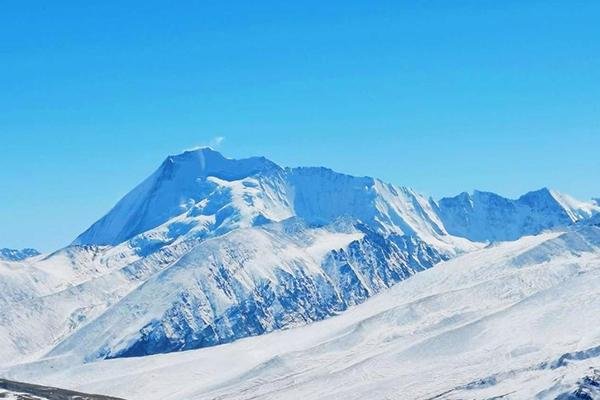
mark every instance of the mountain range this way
{"type": "Point", "coordinates": [208, 250]}
{"type": "Point", "coordinates": [17, 255]}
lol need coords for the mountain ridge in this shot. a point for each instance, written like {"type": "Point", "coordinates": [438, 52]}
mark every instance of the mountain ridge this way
{"type": "Point", "coordinates": [510, 320]}
{"type": "Point", "coordinates": [7, 254]}
{"type": "Point", "coordinates": [200, 200]}
{"type": "Point", "coordinates": [184, 181]}
{"type": "Point", "coordinates": [488, 217]}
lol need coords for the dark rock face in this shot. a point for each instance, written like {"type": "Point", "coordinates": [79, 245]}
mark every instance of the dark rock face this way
{"type": "Point", "coordinates": [27, 391]}
{"type": "Point", "coordinates": [588, 388]}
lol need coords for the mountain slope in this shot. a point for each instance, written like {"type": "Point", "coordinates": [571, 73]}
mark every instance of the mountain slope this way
{"type": "Point", "coordinates": [515, 320]}
{"type": "Point", "coordinates": [248, 282]}
{"type": "Point", "coordinates": [175, 188]}
{"type": "Point", "coordinates": [484, 216]}
{"type": "Point", "coordinates": [17, 255]}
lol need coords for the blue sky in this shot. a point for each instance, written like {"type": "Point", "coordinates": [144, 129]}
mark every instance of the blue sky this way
{"type": "Point", "coordinates": [442, 96]}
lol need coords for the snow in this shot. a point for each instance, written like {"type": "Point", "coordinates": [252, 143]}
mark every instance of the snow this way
{"type": "Point", "coordinates": [497, 321]}
{"type": "Point", "coordinates": [247, 282]}
{"type": "Point", "coordinates": [202, 193]}
{"type": "Point", "coordinates": [210, 250]}
{"type": "Point", "coordinates": [64, 290]}
{"type": "Point", "coordinates": [488, 217]}
{"type": "Point", "coordinates": [17, 255]}
{"type": "Point", "coordinates": [173, 189]}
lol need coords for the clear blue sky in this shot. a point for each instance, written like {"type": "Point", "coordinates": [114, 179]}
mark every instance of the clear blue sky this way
{"type": "Point", "coordinates": [442, 96]}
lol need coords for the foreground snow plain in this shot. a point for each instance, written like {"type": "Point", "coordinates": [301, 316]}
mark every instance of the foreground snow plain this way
{"type": "Point", "coordinates": [518, 319]}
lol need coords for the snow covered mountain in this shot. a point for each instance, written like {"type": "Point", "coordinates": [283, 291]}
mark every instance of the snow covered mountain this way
{"type": "Point", "coordinates": [208, 250]}
{"type": "Point", "coordinates": [200, 203]}
{"type": "Point", "coordinates": [204, 188]}
{"type": "Point", "coordinates": [249, 282]}
{"type": "Point", "coordinates": [17, 255]}
{"type": "Point", "coordinates": [202, 194]}
{"type": "Point", "coordinates": [484, 216]}
{"type": "Point", "coordinates": [517, 320]}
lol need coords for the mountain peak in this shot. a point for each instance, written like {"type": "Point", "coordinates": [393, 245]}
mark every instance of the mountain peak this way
{"type": "Point", "coordinates": [196, 152]}
{"type": "Point", "coordinates": [483, 194]}
{"type": "Point", "coordinates": [543, 192]}
{"type": "Point", "coordinates": [485, 216]}
{"type": "Point", "coordinates": [179, 182]}
{"type": "Point", "coordinates": [205, 161]}
{"type": "Point", "coordinates": [543, 196]}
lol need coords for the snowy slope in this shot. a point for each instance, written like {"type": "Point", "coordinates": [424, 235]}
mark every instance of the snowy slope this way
{"type": "Point", "coordinates": [320, 195]}
{"type": "Point", "coordinates": [484, 216]}
{"type": "Point", "coordinates": [577, 210]}
{"type": "Point", "coordinates": [45, 299]}
{"type": "Point", "coordinates": [179, 184]}
{"type": "Point", "coordinates": [519, 320]}
{"type": "Point", "coordinates": [248, 282]}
